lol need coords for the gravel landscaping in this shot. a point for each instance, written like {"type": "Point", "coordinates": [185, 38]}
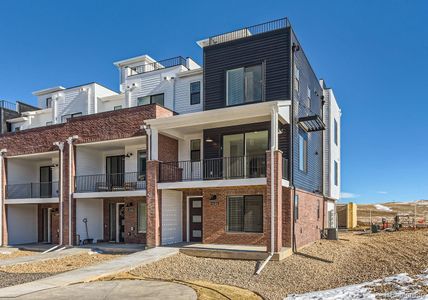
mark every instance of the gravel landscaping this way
{"type": "Point", "coordinates": [22, 273]}
{"type": "Point", "coordinates": [324, 265]}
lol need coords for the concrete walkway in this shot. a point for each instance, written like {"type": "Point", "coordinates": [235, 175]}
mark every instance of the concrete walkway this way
{"type": "Point", "coordinates": [117, 290]}
{"type": "Point", "coordinates": [121, 264]}
{"type": "Point", "coordinates": [41, 257]}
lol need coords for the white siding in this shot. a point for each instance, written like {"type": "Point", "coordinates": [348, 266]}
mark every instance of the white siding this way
{"type": "Point", "coordinates": [182, 94]}
{"type": "Point", "coordinates": [101, 92]}
{"type": "Point", "coordinates": [184, 146]}
{"type": "Point", "coordinates": [92, 210]}
{"type": "Point", "coordinates": [172, 231]}
{"type": "Point", "coordinates": [27, 171]}
{"type": "Point", "coordinates": [88, 161]}
{"type": "Point", "coordinates": [22, 224]}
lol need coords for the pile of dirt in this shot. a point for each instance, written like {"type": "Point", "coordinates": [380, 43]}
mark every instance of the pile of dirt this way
{"type": "Point", "coordinates": [324, 265]}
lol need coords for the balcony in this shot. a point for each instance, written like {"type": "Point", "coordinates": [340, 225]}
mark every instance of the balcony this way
{"type": "Point", "coordinates": [158, 65]}
{"type": "Point", "coordinates": [241, 167]}
{"type": "Point", "coordinates": [32, 190]}
{"type": "Point", "coordinates": [119, 182]}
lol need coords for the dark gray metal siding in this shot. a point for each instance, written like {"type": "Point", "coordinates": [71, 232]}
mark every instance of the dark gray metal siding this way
{"type": "Point", "coordinates": [272, 47]}
{"type": "Point", "coordinates": [312, 180]}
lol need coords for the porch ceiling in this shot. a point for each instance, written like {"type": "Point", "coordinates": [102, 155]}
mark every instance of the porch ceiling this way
{"type": "Point", "coordinates": [37, 156]}
{"type": "Point", "coordinates": [115, 144]}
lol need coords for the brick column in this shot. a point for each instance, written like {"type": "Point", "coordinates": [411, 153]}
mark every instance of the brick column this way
{"type": "Point", "coordinates": [3, 197]}
{"type": "Point", "coordinates": [66, 197]}
{"type": "Point", "coordinates": [153, 204]}
{"type": "Point", "coordinates": [277, 183]}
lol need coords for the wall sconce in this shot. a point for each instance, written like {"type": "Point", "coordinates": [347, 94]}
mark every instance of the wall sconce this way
{"type": "Point", "coordinates": [128, 155]}
{"type": "Point", "coordinates": [213, 200]}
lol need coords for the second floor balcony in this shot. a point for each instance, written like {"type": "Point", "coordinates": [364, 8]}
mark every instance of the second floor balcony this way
{"type": "Point", "coordinates": [130, 181]}
{"type": "Point", "coordinates": [32, 190]}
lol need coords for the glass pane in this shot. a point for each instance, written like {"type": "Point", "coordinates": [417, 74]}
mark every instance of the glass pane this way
{"type": "Point", "coordinates": [112, 221]}
{"type": "Point", "coordinates": [141, 165]}
{"type": "Point", "coordinates": [256, 144]}
{"type": "Point", "coordinates": [235, 86]}
{"type": "Point", "coordinates": [196, 219]}
{"type": "Point", "coordinates": [142, 216]}
{"type": "Point", "coordinates": [195, 87]}
{"type": "Point", "coordinates": [197, 204]}
{"type": "Point", "coordinates": [233, 151]}
{"type": "Point", "coordinates": [234, 213]}
{"type": "Point", "coordinates": [197, 233]}
{"type": "Point", "coordinates": [158, 99]}
{"type": "Point", "coordinates": [253, 218]}
{"type": "Point", "coordinates": [253, 83]}
{"type": "Point", "coordinates": [143, 100]}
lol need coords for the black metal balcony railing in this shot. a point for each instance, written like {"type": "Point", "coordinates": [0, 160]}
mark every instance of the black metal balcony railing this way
{"type": "Point", "coordinates": [110, 182]}
{"type": "Point", "coordinates": [32, 190]}
{"type": "Point", "coordinates": [162, 64]}
{"type": "Point", "coordinates": [8, 105]}
{"type": "Point", "coordinates": [249, 31]}
{"type": "Point", "coordinates": [216, 168]}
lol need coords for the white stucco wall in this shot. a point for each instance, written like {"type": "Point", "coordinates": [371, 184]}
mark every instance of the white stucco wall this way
{"type": "Point", "coordinates": [22, 224]}
{"type": "Point", "coordinates": [92, 210]}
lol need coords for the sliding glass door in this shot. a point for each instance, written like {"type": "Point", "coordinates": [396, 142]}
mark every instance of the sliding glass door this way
{"type": "Point", "coordinates": [115, 169]}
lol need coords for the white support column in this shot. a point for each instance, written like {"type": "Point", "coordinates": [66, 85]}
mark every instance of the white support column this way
{"type": "Point", "coordinates": [274, 128]}
{"type": "Point", "coordinates": [154, 144]}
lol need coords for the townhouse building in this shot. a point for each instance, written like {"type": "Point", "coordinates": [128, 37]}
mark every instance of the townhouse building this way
{"type": "Point", "coordinates": [243, 149]}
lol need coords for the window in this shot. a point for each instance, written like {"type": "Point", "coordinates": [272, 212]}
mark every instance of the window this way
{"type": "Point", "coordinates": [309, 96]}
{"type": "Point", "coordinates": [336, 173]}
{"type": "Point", "coordinates": [318, 210]}
{"type": "Point", "coordinates": [141, 164]}
{"type": "Point", "coordinates": [17, 129]}
{"type": "Point", "coordinates": [49, 102]}
{"type": "Point", "coordinates": [336, 133]}
{"type": "Point", "coordinates": [65, 118]}
{"type": "Point", "coordinates": [244, 85]}
{"type": "Point", "coordinates": [195, 150]}
{"type": "Point", "coordinates": [296, 207]}
{"type": "Point", "coordinates": [296, 79]}
{"type": "Point", "coordinates": [158, 99]}
{"type": "Point", "coordinates": [245, 213]}
{"type": "Point", "coordinates": [49, 123]}
{"type": "Point", "coordinates": [117, 107]}
{"type": "Point", "coordinates": [195, 93]}
{"type": "Point", "coordinates": [142, 217]}
{"type": "Point", "coordinates": [303, 151]}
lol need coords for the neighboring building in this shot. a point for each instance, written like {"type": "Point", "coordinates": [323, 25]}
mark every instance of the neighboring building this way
{"type": "Point", "coordinates": [182, 153]}
{"type": "Point", "coordinates": [347, 215]}
{"type": "Point", "coordinates": [9, 110]}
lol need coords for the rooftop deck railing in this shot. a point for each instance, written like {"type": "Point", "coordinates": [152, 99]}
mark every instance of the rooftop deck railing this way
{"type": "Point", "coordinates": [8, 105]}
{"type": "Point", "coordinates": [249, 31]}
{"type": "Point", "coordinates": [212, 169]}
{"type": "Point", "coordinates": [129, 181]}
{"type": "Point", "coordinates": [32, 190]}
{"type": "Point", "coordinates": [162, 64]}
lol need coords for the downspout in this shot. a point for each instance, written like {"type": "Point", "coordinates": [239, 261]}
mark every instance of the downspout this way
{"type": "Point", "coordinates": [294, 49]}
{"type": "Point", "coordinates": [60, 145]}
{"type": "Point", "coordinates": [274, 124]}
{"type": "Point", "coordinates": [2, 153]}
{"type": "Point", "coordinates": [70, 187]}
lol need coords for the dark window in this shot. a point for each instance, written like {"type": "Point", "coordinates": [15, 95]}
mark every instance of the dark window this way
{"type": "Point", "coordinates": [141, 164]}
{"type": "Point", "coordinates": [195, 150]}
{"type": "Point", "coordinates": [195, 93]}
{"type": "Point", "coordinates": [17, 129]}
{"type": "Point", "coordinates": [245, 213]}
{"type": "Point", "coordinates": [296, 207]}
{"type": "Point", "coordinates": [49, 123]}
{"type": "Point", "coordinates": [318, 210]}
{"type": "Point", "coordinates": [117, 107]}
{"type": "Point", "coordinates": [49, 102]}
{"type": "Point", "coordinates": [244, 85]}
{"type": "Point", "coordinates": [336, 173]}
{"type": "Point", "coordinates": [158, 99]}
{"type": "Point", "coordinates": [303, 151]}
{"type": "Point", "coordinates": [296, 79]}
{"type": "Point", "coordinates": [336, 133]}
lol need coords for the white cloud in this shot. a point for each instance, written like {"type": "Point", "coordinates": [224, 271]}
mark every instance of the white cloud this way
{"type": "Point", "coordinates": [382, 192]}
{"type": "Point", "coordinates": [346, 195]}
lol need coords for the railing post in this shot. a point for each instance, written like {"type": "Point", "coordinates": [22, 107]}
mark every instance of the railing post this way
{"type": "Point", "coordinates": [31, 190]}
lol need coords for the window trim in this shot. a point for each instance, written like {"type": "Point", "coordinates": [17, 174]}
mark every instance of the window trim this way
{"type": "Point", "coordinates": [243, 214]}
{"type": "Point", "coordinates": [263, 79]}
{"type": "Point", "coordinates": [193, 93]}
{"type": "Point", "coordinates": [48, 100]}
{"type": "Point", "coordinates": [336, 173]}
{"type": "Point", "coordinates": [191, 151]}
{"type": "Point", "coordinates": [336, 132]}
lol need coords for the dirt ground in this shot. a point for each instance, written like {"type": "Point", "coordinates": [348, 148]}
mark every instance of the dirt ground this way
{"type": "Point", "coordinates": [15, 254]}
{"type": "Point", "coordinates": [324, 265]}
{"type": "Point", "coordinates": [21, 273]}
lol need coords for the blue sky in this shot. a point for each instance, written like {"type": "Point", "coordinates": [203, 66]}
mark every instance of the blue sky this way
{"type": "Point", "coordinates": [373, 53]}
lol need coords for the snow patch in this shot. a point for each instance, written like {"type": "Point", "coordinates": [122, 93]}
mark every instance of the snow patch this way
{"type": "Point", "coordinates": [382, 207]}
